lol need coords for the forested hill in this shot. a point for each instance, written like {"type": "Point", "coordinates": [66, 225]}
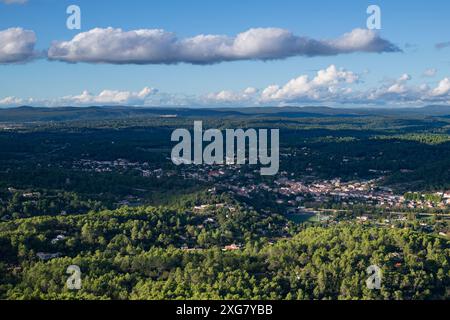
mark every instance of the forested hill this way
{"type": "Point", "coordinates": [34, 114]}
{"type": "Point", "coordinates": [139, 254]}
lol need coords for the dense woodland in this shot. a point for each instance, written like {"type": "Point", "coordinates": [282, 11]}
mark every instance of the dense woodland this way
{"type": "Point", "coordinates": [140, 237]}
{"type": "Point", "coordinates": [133, 254]}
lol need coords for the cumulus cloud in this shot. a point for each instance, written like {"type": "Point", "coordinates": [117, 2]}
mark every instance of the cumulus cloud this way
{"type": "Point", "coordinates": [11, 101]}
{"type": "Point", "coordinates": [17, 45]}
{"type": "Point", "coordinates": [110, 97]}
{"type": "Point", "coordinates": [156, 46]}
{"type": "Point", "coordinates": [324, 85]}
{"type": "Point", "coordinates": [105, 97]}
{"type": "Point", "coordinates": [396, 88]}
{"type": "Point", "coordinates": [399, 86]}
{"type": "Point", "coordinates": [339, 86]}
{"type": "Point", "coordinates": [404, 77]}
{"type": "Point", "coordinates": [329, 86]}
{"type": "Point", "coordinates": [400, 92]}
{"type": "Point", "coordinates": [227, 97]}
{"type": "Point", "coordinates": [431, 72]}
{"type": "Point", "coordinates": [443, 88]}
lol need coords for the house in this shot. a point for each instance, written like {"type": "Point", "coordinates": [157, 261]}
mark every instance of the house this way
{"type": "Point", "coordinates": [201, 207]}
{"type": "Point", "coordinates": [209, 220]}
{"type": "Point", "coordinates": [232, 247]}
{"type": "Point", "coordinates": [146, 173]}
{"type": "Point", "coordinates": [30, 195]}
{"type": "Point", "coordinates": [58, 238]}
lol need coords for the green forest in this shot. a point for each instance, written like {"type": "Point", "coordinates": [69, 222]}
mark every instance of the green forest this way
{"type": "Point", "coordinates": [138, 254]}
{"type": "Point", "coordinates": [104, 196]}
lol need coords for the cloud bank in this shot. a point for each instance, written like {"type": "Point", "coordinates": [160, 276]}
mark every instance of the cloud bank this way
{"type": "Point", "coordinates": [17, 45]}
{"type": "Point", "coordinates": [329, 86]}
{"type": "Point", "coordinates": [156, 46]}
{"type": "Point", "coordinates": [110, 97]}
{"type": "Point", "coordinates": [86, 98]}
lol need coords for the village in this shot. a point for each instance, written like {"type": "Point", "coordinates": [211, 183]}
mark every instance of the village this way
{"type": "Point", "coordinates": [290, 190]}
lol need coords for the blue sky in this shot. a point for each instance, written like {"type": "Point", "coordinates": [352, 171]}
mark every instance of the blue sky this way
{"type": "Point", "coordinates": [389, 78]}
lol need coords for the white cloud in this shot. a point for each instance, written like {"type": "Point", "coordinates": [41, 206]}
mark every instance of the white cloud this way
{"type": "Point", "coordinates": [332, 75]}
{"type": "Point", "coordinates": [404, 77]}
{"type": "Point", "coordinates": [400, 92]}
{"type": "Point", "coordinates": [106, 97]}
{"type": "Point", "coordinates": [110, 97]}
{"type": "Point", "coordinates": [11, 101]}
{"type": "Point", "coordinates": [339, 86]}
{"type": "Point", "coordinates": [397, 88]}
{"type": "Point", "coordinates": [250, 90]}
{"type": "Point", "coordinates": [226, 97]}
{"type": "Point", "coordinates": [17, 45]}
{"type": "Point", "coordinates": [363, 40]}
{"type": "Point", "coordinates": [431, 72]}
{"type": "Point", "coordinates": [443, 88]}
{"type": "Point", "coordinates": [155, 46]}
{"type": "Point", "coordinates": [331, 86]}
{"type": "Point", "coordinates": [326, 84]}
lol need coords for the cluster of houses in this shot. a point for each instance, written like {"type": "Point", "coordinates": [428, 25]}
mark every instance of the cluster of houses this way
{"type": "Point", "coordinates": [120, 165]}
{"type": "Point", "coordinates": [368, 192]}
{"type": "Point", "coordinates": [365, 191]}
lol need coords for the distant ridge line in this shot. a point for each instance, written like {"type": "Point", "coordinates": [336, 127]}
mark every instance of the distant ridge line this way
{"type": "Point", "coordinates": [70, 113]}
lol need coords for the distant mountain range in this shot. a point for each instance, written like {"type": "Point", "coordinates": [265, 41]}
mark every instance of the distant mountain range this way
{"type": "Point", "coordinates": [34, 114]}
